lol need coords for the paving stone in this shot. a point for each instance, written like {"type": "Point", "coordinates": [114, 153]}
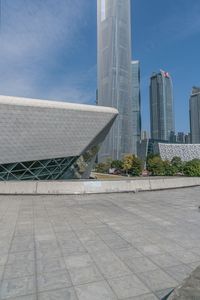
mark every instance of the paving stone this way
{"type": "Point", "coordinates": [26, 256]}
{"type": "Point", "coordinates": [179, 273]}
{"type": "Point", "coordinates": [64, 294]}
{"type": "Point", "coordinates": [140, 264]}
{"type": "Point", "coordinates": [49, 265]}
{"type": "Point", "coordinates": [157, 280]}
{"type": "Point", "coordinates": [127, 253]}
{"type": "Point", "coordinates": [150, 249]}
{"type": "Point", "coordinates": [52, 281]}
{"type": "Point", "coordinates": [110, 265]}
{"type": "Point", "coordinates": [1, 272]}
{"type": "Point", "coordinates": [82, 269]}
{"type": "Point", "coordinates": [3, 259]}
{"type": "Point", "coordinates": [19, 269]}
{"type": "Point", "coordinates": [115, 235]}
{"type": "Point", "coordinates": [17, 287]}
{"type": "Point", "coordinates": [144, 297]}
{"type": "Point", "coordinates": [128, 286]}
{"type": "Point", "coordinates": [95, 291]}
{"type": "Point", "coordinates": [28, 297]}
{"type": "Point", "coordinates": [165, 260]}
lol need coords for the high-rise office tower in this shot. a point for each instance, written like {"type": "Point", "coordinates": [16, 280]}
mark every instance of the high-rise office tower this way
{"type": "Point", "coordinates": [161, 106]}
{"type": "Point", "coordinates": [181, 137]}
{"type": "Point", "coordinates": [195, 115]}
{"type": "Point", "coordinates": [188, 138]}
{"type": "Point", "coordinates": [114, 74]}
{"type": "Point", "coordinates": [136, 103]}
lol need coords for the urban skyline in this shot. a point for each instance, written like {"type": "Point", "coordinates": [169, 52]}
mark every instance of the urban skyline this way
{"type": "Point", "coordinates": [58, 59]}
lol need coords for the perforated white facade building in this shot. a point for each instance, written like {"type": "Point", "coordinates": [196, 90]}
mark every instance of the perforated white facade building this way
{"type": "Point", "coordinates": [41, 140]}
{"type": "Point", "coordinates": [185, 151]}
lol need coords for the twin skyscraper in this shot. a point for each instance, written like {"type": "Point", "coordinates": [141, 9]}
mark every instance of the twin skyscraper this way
{"type": "Point", "coordinates": [119, 83]}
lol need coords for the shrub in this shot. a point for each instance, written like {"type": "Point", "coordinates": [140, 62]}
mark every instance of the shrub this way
{"type": "Point", "coordinates": [155, 166]}
{"type": "Point", "coordinates": [117, 164]}
{"type": "Point", "coordinates": [177, 164]}
{"type": "Point", "coordinates": [103, 167]}
{"type": "Point", "coordinates": [192, 168]}
{"type": "Point", "coordinates": [169, 169]}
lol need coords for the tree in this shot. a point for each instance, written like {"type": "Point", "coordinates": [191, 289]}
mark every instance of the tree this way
{"type": "Point", "coordinates": [127, 163]}
{"type": "Point", "coordinates": [155, 166]}
{"type": "Point", "coordinates": [136, 169]}
{"type": "Point", "coordinates": [192, 168]}
{"type": "Point", "coordinates": [132, 165]}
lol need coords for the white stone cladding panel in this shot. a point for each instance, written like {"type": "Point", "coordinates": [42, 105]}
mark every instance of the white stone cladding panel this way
{"type": "Point", "coordinates": [185, 151]}
{"type": "Point", "coordinates": [34, 129]}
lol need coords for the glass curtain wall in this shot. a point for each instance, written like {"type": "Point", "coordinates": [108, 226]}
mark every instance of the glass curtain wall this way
{"type": "Point", "coordinates": [114, 74]}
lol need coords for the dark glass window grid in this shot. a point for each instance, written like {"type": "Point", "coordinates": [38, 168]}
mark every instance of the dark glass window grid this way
{"type": "Point", "coordinates": [36, 170]}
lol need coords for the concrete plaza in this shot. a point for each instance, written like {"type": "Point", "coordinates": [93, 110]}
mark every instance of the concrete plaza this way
{"type": "Point", "coordinates": [98, 247]}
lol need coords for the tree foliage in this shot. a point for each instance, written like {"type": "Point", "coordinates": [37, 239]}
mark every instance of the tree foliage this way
{"type": "Point", "coordinates": [155, 166]}
{"type": "Point", "coordinates": [132, 165]}
{"type": "Point", "coordinates": [177, 164]}
{"type": "Point", "coordinates": [117, 164]}
{"type": "Point", "coordinates": [103, 167]}
{"type": "Point", "coordinates": [192, 168]}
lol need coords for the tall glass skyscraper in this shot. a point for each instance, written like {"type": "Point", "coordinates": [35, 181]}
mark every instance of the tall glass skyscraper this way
{"type": "Point", "coordinates": [114, 74]}
{"type": "Point", "coordinates": [195, 115]}
{"type": "Point", "coordinates": [136, 103]}
{"type": "Point", "coordinates": [161, 106]}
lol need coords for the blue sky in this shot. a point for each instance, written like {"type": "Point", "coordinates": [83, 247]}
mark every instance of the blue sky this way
{"type": "Point", "coordinates": [48, 49]}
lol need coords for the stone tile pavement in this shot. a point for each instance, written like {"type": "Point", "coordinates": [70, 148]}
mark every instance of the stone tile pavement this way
{"type": "Point", "coordinates": [98, 247]}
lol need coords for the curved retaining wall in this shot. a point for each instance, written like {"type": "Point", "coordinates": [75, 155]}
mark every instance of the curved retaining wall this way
{"type": "Point", "coordinates": [95, 186]}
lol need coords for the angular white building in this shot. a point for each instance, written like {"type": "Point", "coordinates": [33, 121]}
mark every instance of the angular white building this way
{"type": "Point", "coordinates": [114, 74]}
{"type": "Point", "coordinates": [46, 140]}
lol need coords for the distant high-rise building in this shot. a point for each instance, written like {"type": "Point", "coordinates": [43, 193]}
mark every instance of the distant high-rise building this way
{"type": "Point", "coordinates": [136, 103]}
{"type": "Point", "coordinates": [144, 135]}
{"type": "Point", "coordinates": [188, 138]}
{"type": "Point", "coordinates": [195, 115]}
{"type": "Point", "coordinates": [161, 106]}
{"type": "Point", "coordinates": [114, 74]}
{"type": "Point", "coordinates": [173, 137]}
{"type": "Point", "coordinates": [181, 137]}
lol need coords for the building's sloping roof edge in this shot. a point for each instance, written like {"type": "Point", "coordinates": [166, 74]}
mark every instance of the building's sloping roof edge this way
{"type": "Point", "coordinates": [10, 100]}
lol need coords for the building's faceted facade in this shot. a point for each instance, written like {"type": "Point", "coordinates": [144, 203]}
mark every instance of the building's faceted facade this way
{"type": "Point", "coordinates": [161, 106]}
{"type": "Point", "coordinates": [114, 74]}
{"type": "Point", "coordinates": [136, 103]}
{"type": "Point", "coordinates": [46, 140]}
{"type": "Point", "coordinates": [195, 115]}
